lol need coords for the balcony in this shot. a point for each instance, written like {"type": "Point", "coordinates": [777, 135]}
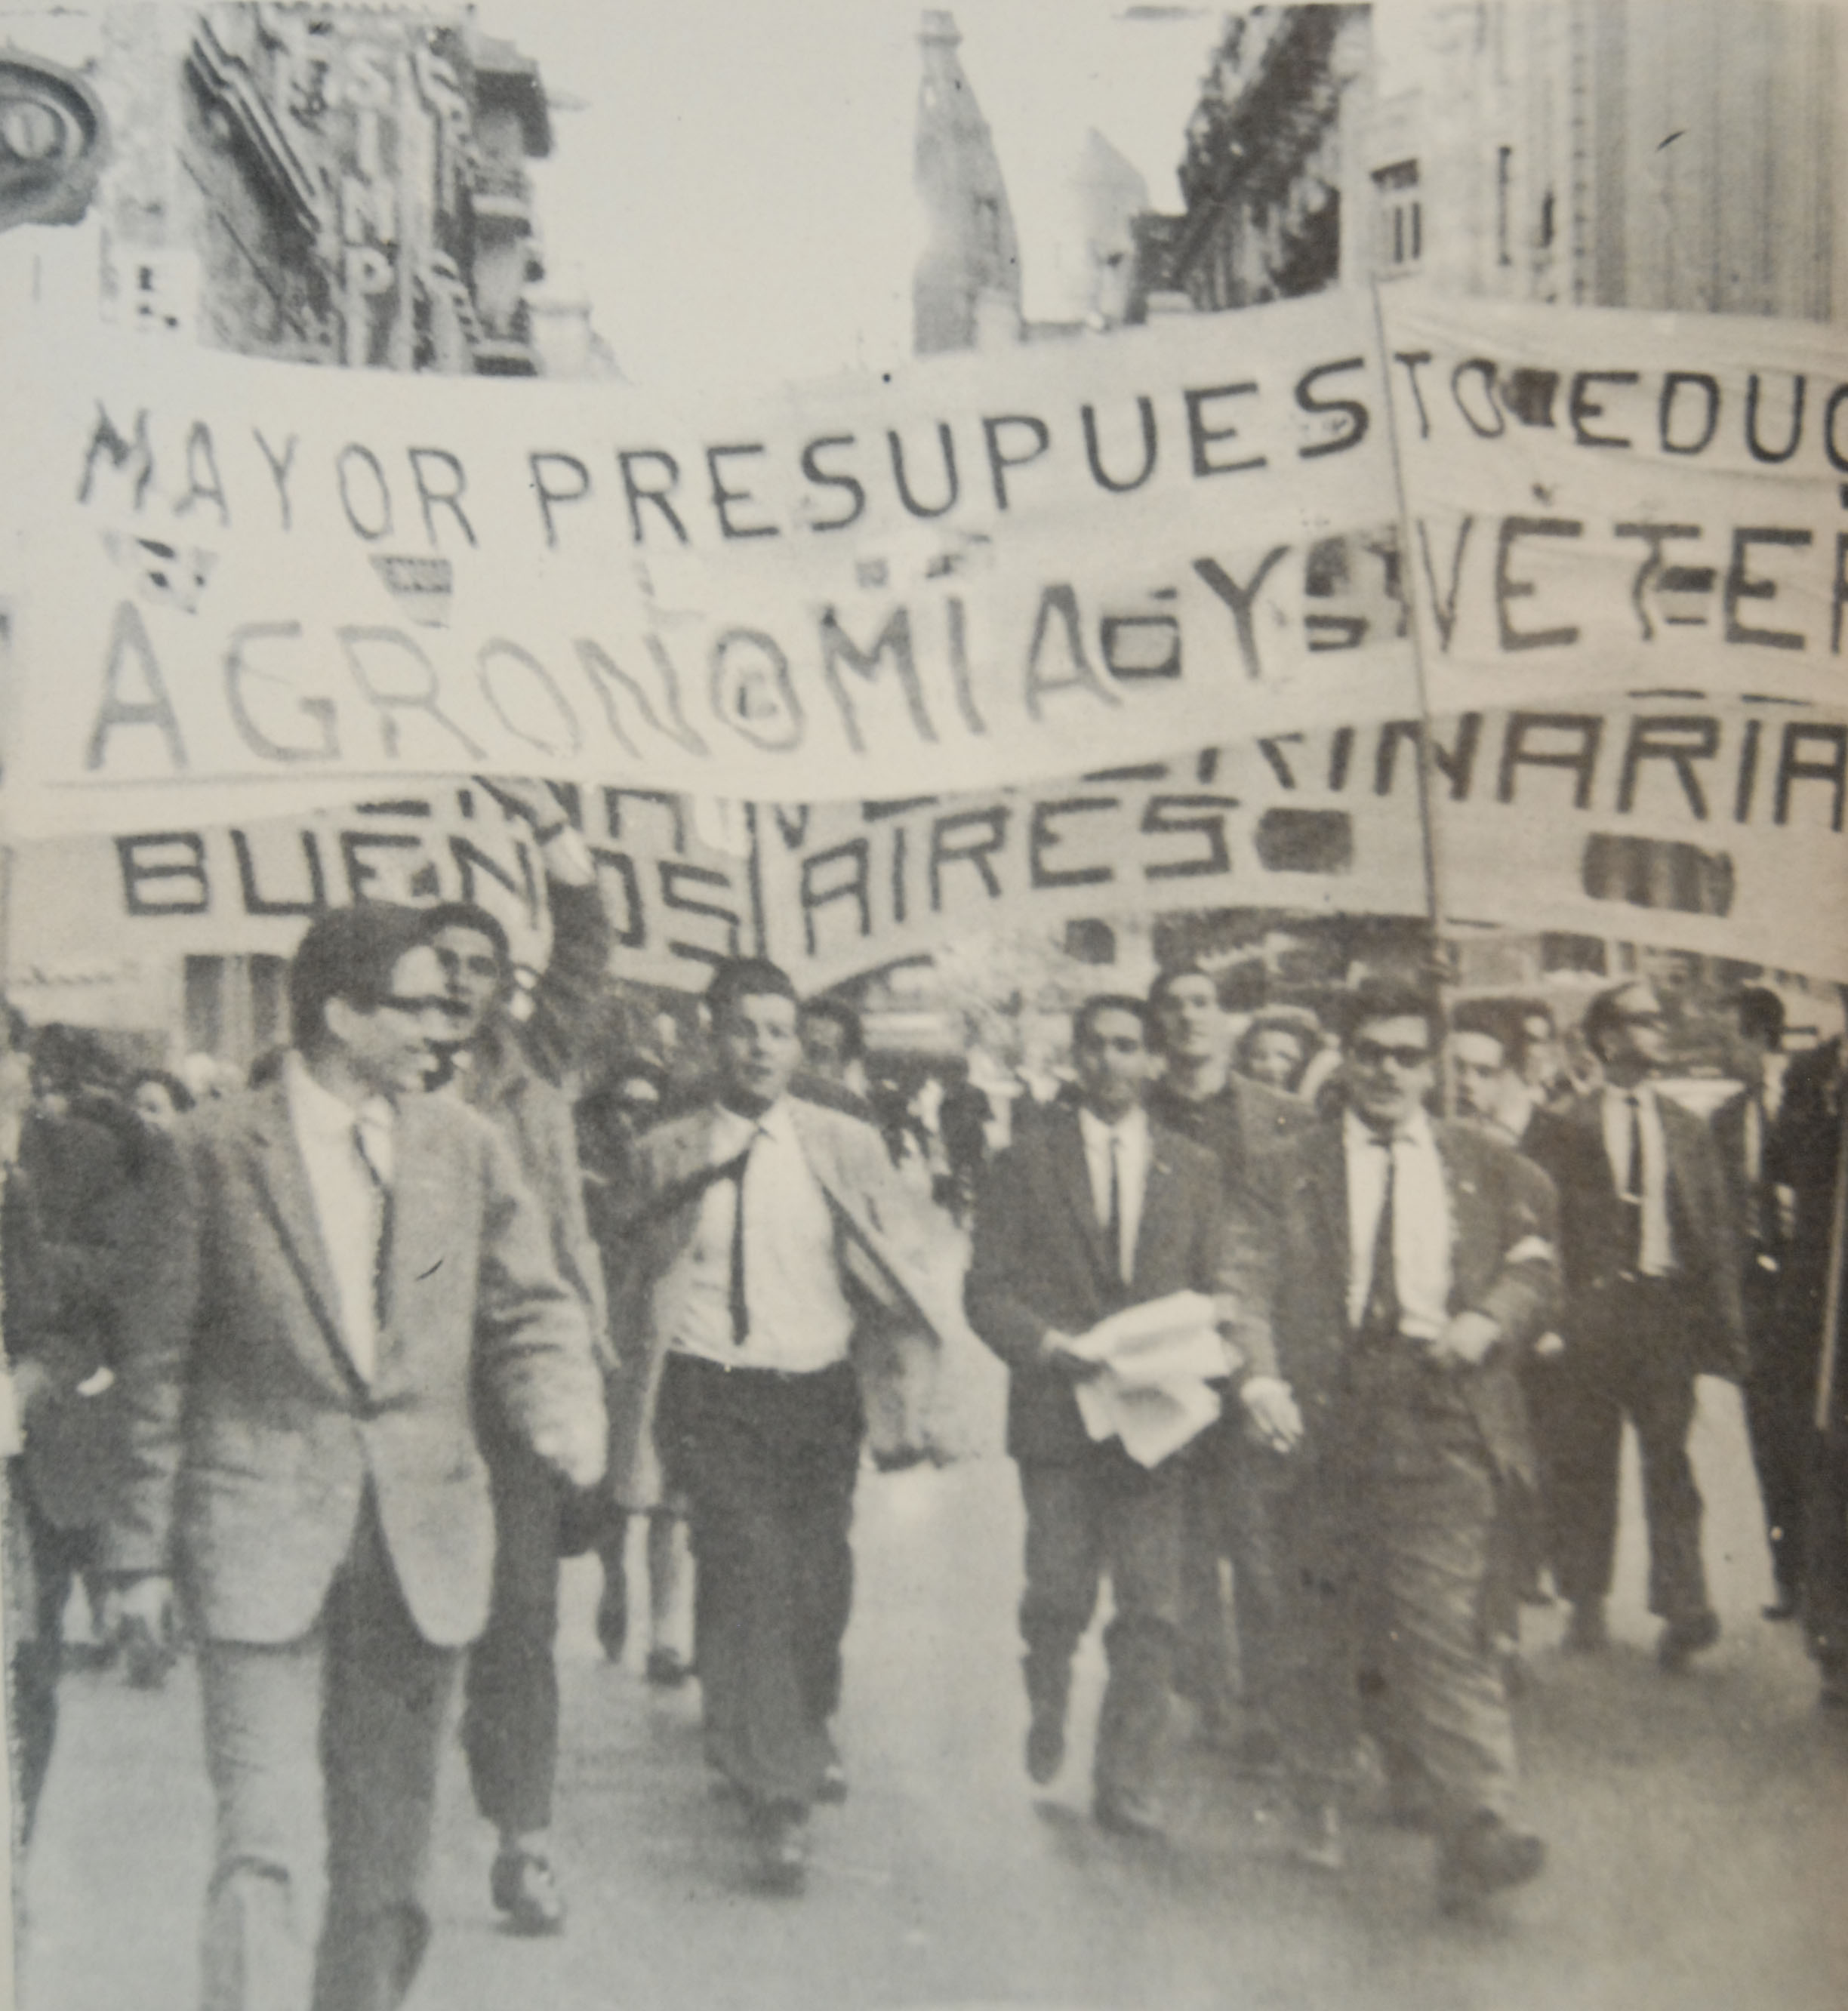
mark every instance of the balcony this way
{"type": "Point", "coordinates": [502, 197]}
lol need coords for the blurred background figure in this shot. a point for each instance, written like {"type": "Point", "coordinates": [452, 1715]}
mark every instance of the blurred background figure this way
{"type": "Point", "coordinates": [158, 1099]}
{"type": "Point", "coordinates": [833, 1052]}
{"type": "Point", "coordinates": [611, 1120]}
{"type": "Point", "coordinates": [1277, 1046]}
{"type": "Point", "coordinates": [963, 1117]}
{"type": "Point", "coordinates": [1487, 1054]}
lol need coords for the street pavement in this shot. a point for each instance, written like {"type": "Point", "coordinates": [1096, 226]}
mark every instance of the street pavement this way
{"type": "Point", "coordinates": [1698, 1827]}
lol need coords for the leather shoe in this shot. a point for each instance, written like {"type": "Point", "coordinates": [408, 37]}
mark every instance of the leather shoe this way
{"type": "Point", "coordinates": [666, 1668]}
{"type": "Point", "coordinates": [1316, 1839]}
{"type": "Point", "coordinates": [612, 1615]}
{"type": "Point", "coordinates": [1124, 1814]}
{"type": "Point", "coordinates": [1681, 1640]}
{"type": "Point", "coordinates": [525, 1887]}
{"type": "Point", "coordinates": [1585, 1633]}
{"type": "Point", "coordinates": [1045, 1748]}
{"type": "Point", "coordinates": [1484, 1856]}
{"type": "Point", "coordinates": [1783, 1607]}
{"type": "Point", "coordinates": [781, 1844]}
{"type": "Point", "coordinates": [833, 1789]}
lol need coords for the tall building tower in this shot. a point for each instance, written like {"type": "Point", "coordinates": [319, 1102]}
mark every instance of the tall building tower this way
{"type": "Point", "coordinates": [966, 291]}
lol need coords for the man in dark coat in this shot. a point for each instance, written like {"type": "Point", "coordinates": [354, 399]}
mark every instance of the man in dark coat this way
{"type": "Point", "coordinates": [1199, 1098]}
{"type": "Point", "coordinates": [1403, 1264]}
{"type": "Point", "coordinates": [513, 1072]}
{"type": "Point", "coordinates": [1652, 1300]}
{"type": "Point", "coordinates": [1093, 1210]}
{"type": "Point", "coordinates": [1808, 1152]}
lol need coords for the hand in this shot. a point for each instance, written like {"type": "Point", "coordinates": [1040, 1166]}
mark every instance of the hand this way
{"type": "Point", "coordinates": [1270, 1412]}
{"type": "Point", "coordinates": [1464, 1341]}
{"type": "Point", "coordinates": [578, 1449]}
{"type": "Point", "coordinates": [524, 798]}
{"type": "Point", "coordinates": [1060, 1351]}
{"type": "Point", "coordinates": [140, 1609]}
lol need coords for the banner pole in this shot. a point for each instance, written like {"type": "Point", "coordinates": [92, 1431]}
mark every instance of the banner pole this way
{"type": "Point", "coordinates": [1432, 846]}
{"type": "Point", "coordinates": [1828, 1367]}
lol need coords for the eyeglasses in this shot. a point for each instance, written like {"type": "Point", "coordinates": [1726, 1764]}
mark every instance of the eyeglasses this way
{"type": "Point", "coordinates": [1376, 1054]}
{"type": "Point", "coordinates": [476, 966]}
{"type": "Point", "coordinates": [417, 1008]}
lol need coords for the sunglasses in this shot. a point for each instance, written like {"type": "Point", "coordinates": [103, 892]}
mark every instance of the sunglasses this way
{"type": "Point", "coordinates": [1376, 1054]}
{"type": "Point", "coordinates": [418, 1007]}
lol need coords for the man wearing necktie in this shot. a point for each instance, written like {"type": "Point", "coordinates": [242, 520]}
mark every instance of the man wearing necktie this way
{"type": "Point", "coordinates": [343, 1263]}
{"type": "Point", "coordinates": [778, 1259]}
{"type": "Point", "coordinates": [1402, 1266]}
{"type": "Point", "coordinates": [1780, 1392]}
{"type": "Point", "coordinates": [1092, 1211]}
{"type": "Point", "coordinates": [1649, 1243]}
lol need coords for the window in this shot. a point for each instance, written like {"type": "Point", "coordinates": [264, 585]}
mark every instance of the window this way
{"type": "Point", "coordinates": [1401, 218]}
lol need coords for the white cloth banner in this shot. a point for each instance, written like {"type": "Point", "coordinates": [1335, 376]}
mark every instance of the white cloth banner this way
{"type": "Point", "coordinates": [1620, 502]}
{"type": "Point", "coordinates": [258, 578]}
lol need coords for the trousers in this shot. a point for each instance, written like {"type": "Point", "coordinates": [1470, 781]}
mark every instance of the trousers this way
{"type": "Point", "coordinates": [510, 1714]}
{"type": "Point", "coordinates": [769, 1462]}
{"type": "Point", "coordinates": [324, 1750]}
{"type": "Point", "coordinates": [1386, 1544]}
{"type": "Point", "coordinates": [1228, 1514]}
{"type": "Point", "coordinates": [1825, 1562]}
{"type": "Point", "coordinates": [1102, 1512]}
{"type": "Point", "coordinates": [1630, 1362]}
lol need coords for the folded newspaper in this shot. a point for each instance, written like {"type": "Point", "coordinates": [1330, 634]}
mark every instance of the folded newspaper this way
{"type": "Point", "coordinates": [1159, 1359]}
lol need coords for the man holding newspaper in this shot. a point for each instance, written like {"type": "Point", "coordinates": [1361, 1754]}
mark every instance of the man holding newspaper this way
{"type": "Point", "coordinates": [1100, 1243]}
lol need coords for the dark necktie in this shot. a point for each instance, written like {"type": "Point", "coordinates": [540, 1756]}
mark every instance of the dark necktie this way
{"type": "Point", "coordinates": [1632, 1193]}
{"type": "Point", "coordinates": [381, 1248]}
{"type": "Point", "coordinates": [1379, 1314]}
{"type": "Point", "coordinates": [1114, 1221]}
{"type": "Point", "coordinates": [735, 1170]}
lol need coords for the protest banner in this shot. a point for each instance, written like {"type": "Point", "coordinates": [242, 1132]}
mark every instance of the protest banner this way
{"type": "Point", "coordinates": [1715, 828]}
{"type": "Point", "coordinates": [1321, 823]}
{"type": "Point", "coordinates": [1609, 501]}
{"type": "Point", "coordinates": [257, 577]}
{"type": "Point", "coordinates": [95, 921]}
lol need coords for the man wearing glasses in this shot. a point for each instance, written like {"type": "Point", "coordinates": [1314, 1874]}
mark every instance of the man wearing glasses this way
{"type": "Point", "coordinates": [1402, 1266]}
{"type": "Point", "coordinates": [345, 1261]}
{"type": "Point", "coordinates": [1652, 1286]}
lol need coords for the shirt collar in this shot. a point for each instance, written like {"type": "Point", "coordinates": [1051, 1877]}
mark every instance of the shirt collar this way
{"type": "Point", "coordinates": [1096, 1131]}
{"type": "Point", "coordinates": [1416, 1131]}
{"type": "Point", "coordinates": [320, 1112]}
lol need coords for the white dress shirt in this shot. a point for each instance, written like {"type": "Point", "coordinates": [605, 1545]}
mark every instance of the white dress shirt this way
{"type": "Point", "coordinates": [349, 1200]}
{"type": "Point", "coordinates": [1128, 1139]}
{"type": "Point", "coordinates": [1422, 1229]}
{"type": "Point", "coordinates": [800, 1318]}
{"type": "Point", "coordinates": [1658, 1257]}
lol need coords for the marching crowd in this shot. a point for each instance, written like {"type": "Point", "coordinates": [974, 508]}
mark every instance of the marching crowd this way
{"type": "Point", "coordinates": [319, 1380]}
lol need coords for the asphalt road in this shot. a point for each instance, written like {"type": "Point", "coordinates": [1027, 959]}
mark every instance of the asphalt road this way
{"type": "Point", "coordinates": [1698, 1826]}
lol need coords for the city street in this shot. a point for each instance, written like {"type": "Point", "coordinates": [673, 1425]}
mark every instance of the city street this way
{"type": "Point", "coordinates": [1699, 1856]}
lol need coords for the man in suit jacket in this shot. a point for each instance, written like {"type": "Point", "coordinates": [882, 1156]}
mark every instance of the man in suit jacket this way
{"type": "Point", "coordinates": [1652, 1300]}
{"type": "Point", "coordinates": [513, 1072]}
{"type": "Point", "coordinates": [348, 1258]}
{"type": "Point", "coordinates": [780, 1306]}
{"type": "Point", "coordinates": [1780, 1388]}
{"type": "Point", "coordinates": [1402, 1266]}
{"type": "Point", "coordinates": [1199, 1097]}
{"type": "Point", "coordinates": [1808, 1152]}
{"type": "Point", "coordinates": [1094, 1209]}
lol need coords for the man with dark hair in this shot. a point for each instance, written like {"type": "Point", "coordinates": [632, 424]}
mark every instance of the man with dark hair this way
{"type": "Point", "coordinates": [833, 1039]}
{"type": "Point", "coordinates": [1652, 1300]}
{"type": "Point", "coordinates": [1199, 1098]}
{"type": "Point", "coordinates": [1093, 1210]}
{"type": "Point", "coordinates": [346, 1264]}
{"type": "Point", "coordinates": [1807, 1154]}
{"type": "Point", "coordinates": [1487, 1054]}
{"type": "Point", "coordinates": [514, 1073]}
{"type": "Point", "coordinates": [778, 1310]}
{"type": "Point", "coordinates": [1402, 1263]}
{"type": "Point", "coordinates": [1780, 1387]}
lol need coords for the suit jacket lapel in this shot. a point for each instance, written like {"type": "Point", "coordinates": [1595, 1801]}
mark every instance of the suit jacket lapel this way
{"type": "Point", "coordinates": [1156, 1191]}
{"type": "Point", "coordinates": [1327, 1179]}
{"type": "Point", "coordinates": [1073, 1170]}
{"type": "Point", "coordinates": [278, 1178]}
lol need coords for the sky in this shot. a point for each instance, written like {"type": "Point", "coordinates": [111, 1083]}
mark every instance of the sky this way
{"type": "Point", "coordinates": [731, 179]}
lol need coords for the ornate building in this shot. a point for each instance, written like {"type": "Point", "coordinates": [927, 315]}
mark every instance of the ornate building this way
{"type": "Point", "coordinates": [352, 183]}
{"type": "Point", "coordinates": [966, 291]}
